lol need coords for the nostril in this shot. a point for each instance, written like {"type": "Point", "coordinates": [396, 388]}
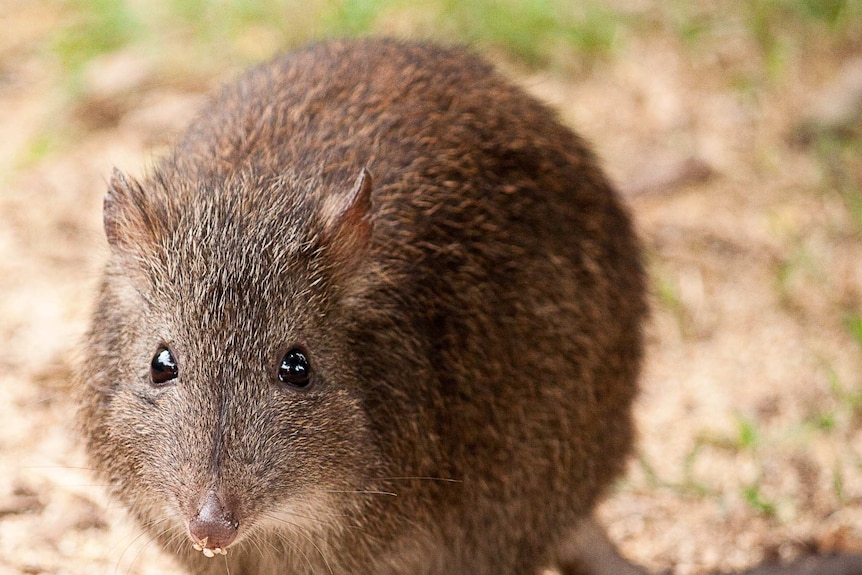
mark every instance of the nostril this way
{"type": "Point", "coordinates": [212, 527]}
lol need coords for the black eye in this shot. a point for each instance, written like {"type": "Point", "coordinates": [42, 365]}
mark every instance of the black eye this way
{"type": "Point", "coordinates": [163, 368]}
{"type": "Point", "coordinates": [294, 369]}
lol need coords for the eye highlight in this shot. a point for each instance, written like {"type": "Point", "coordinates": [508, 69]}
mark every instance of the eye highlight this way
{"type": "Point", "coordinates": [294, 369]}
{"type": "Point", "coordinates": [163, 367]}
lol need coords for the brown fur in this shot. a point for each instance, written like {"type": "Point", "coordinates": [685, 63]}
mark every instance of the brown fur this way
{"type": "Point", "coordinates": [472, 312]}
{"type": "Point", "coordinates": [466, 285]}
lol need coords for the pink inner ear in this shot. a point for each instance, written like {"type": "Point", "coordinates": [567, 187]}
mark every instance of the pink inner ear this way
{"type": "Point", "coordinates": [359, 204]}
{"type": "Point", "coordinates": [350, 228]}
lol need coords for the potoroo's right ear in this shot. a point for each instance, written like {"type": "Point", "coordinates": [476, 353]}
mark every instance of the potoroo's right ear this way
{"type": "Point", "coordinates": [347, 227]}
{"type": "Point", "coordinates": [128, 225]}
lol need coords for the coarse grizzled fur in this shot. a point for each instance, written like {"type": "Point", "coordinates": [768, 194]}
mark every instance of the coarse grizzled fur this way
{"type": "Point", "coordinates": [462, 277]}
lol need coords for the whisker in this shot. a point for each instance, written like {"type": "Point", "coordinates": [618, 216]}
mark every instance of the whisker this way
{"type": "Point", "coordinates": [254, 541]}
{"type": "Point", "coordinates": [135, 540]}
{"type": "Point", "coordinates": [421, 478]}
{"type": "Point", "coordinates": [361, 492]}
{"type": "Point", "coordinates": [300, 529]}
{"type": "Point", "coordinates": [274, 516]}
{"type": "Point", "coordinates": [45, 400]}
{"type": "Point", "coordinates": [58, 467]}
{"type": "Point", "coordinates": [295, 547]}
{"type": "Point", "coordinates": [226, 565]}
{"type": "Point", "coordinates": [174, 539]}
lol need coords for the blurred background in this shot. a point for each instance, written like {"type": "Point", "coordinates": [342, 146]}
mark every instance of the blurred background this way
{"type": "Point", "coordinates": [733, 129]}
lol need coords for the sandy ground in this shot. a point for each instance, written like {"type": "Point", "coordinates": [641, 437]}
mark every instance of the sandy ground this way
{"type": "Point", "coordinates": [751, 412]}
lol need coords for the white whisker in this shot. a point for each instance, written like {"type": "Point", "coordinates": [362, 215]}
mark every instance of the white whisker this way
{"type": "Point", "coordinates": [361, 492]}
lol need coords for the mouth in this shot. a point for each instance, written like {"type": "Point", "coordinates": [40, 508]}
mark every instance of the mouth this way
{"type": "Point", "coordinates": [208, 551]}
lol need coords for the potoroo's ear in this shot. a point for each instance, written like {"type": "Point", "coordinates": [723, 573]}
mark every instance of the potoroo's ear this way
{"type": "Point", "coordinates": [347, 220]}
{"type": "Point", "coordinates": [128, 224]}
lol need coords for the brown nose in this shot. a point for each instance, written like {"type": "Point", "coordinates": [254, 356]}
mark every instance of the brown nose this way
{"type": "Point", "coordinates": [213, 527]}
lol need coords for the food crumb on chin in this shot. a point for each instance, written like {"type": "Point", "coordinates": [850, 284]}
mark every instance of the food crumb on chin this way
{"type": "Point", "coordinates": [208, 552]}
